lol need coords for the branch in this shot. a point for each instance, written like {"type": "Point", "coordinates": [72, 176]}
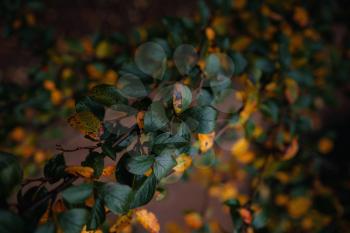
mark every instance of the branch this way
{"type": "Point", "coordinates": [53, 193]}
{"type": "Point", "coordinates": [60, 148]}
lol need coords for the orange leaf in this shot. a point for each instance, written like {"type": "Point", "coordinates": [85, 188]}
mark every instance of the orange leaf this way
{"type": "Point", "coordinates": [86, 172]}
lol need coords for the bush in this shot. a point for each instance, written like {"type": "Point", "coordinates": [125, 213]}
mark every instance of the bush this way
{"type": "Point", "coordinates": [232, 96]}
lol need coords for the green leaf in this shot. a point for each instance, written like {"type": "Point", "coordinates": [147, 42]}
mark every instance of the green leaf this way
{"type": "Point", "coordinates": [10, 223]}
{"type": "Point", "coordinates": [182, 98]}
{"type": "Point", "coordinates": [140, 164]}
{"type": "Point", "coordinates": [155, 117]}
{"type": "Point", "coordinates": [98, 215]}
{"type": "Point", "coordinates": [54, 168]}
{"type": "Point", "coordinates": [163, 164]}
{"type": "Point", "coordinates": [201, 119]}
{"type": "Point", "coordinates": [10, 174]}
{"type": "Point", "coordinates": [108, 150]}
{"type": "Point", "coordinates": [77, 194]}
{"type": "Point", "coordinates": [106, 94]}
{"type": "Point", "coordinates": [144, 192]}
{"type": "Point", "coordinates": [86, 104]}
{"type": "Point", "coordinates": [95, 160]}
{"type": "Point", "coordinates": [240, 63]}
{"type": "Point", "coordinates": [116, 197]}
{"type": "Point", "coordinates": [130, 86]}
{"type": "Point", "coordinates": [73, 220]}
{"type": "Point", "coordinates": [48, 227]}
{"type": "Point", "coordinates": [31, 196]}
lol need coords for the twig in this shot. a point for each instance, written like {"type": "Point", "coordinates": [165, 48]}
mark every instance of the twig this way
{"type": "Point", "coordinates": [60, 148]}
{"type": "Point", "coordinates": [53, 193]}
{"type": "Point", "coordinates": [260, 179]}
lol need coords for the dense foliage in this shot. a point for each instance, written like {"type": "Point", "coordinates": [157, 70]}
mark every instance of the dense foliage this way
{"type": "Point", "coordinates": [231, 98]}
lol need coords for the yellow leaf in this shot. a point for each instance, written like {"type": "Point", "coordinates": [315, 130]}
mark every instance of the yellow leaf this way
{"type": "Point", "coordinates": [86, 172]}
{"type": "Point", "coordinates": [148, 220]}
{"type": "Point", "coordinates": [103, 50]}
{"type": "Point", "coordinates": [140, 119]}
{"type": "Point", "coordinates": [87, 123]}
{"type": "Point", "coordinates": [240, 147]}
{"type": "Point", "coordinates": [193, 220]}
{"type": "Point", "coordinates": [297, 207]}
{"type": "Point", "coordinates": [291, 150]}
{"type": "Point", "coordinates": [301, 16]}
{"type": "Point", "coordinates": [210, 33]}
{"type": "Point", "coordinates": [183, 162]}
{"type": "Point", "coordinates": [93, 231]}
{"type": "Point", "coordinates": [206, 141]}
{"type": "Point", "coordinates": [292, 90]}
{"type": "Point", "coordinates": [17, 134]}
{"type": "Point", "coordinates": [108, 171]}
{"type": "Point", "coordinates": [122, 222]}
{"type": "Point", "coordinates": [325, 145]}
{"type": "Point", "coordinates": [49, 85]}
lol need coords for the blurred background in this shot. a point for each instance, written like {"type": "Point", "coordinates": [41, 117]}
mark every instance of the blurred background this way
{"type": "Point", "coordinates": [51, 52]}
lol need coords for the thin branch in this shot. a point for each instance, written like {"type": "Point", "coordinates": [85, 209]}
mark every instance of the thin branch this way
{"type": "Point", "coordinates": [60, 148]}
{"type": "Point", "coordinates": [53, 193]}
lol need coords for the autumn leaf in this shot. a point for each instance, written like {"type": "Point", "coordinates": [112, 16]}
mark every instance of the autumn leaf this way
{"type": "Point", "coordinates": [84, 230]}
{"type": "Point", "coordinates": [206, 141]}
{"type": "Point", "coordinates": [148, 220]}
{"type": "Point", "coordinates": [325, 145]}
{"type": "Point", "coordinates": [291, 150]}
{"type": "Point", "coordinates": [140, 119]}
{"type": "Point", "coordinates": [87, 123]}
{"type": "Point", "coordinates": [246, 215]}
{"type": "Point", "coordinates": [193, 220]}
{"type": "Point", "coordinates": [298, 206]}
{"type": "Point", "coordinates": [183, 162]}
{"type": "Point", "coordinates": [108, 171]}
{"type": "Point", "coordinates": [86, 172]}
{"type": "Point", "coordinates": [292, 90]}
{"type": "Point", "coordinates": [122, 222]}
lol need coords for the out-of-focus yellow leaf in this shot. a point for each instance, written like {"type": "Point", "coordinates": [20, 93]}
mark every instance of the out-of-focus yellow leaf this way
{"type": "Point", "coordinates": [193, 220]}
{"type": "Point", "coordinates": [291, 150]}
{"type": "Point", "coordinates": [325, 145]}
{"type": "Point", "coordinates": [103, 50]}
{"type": "Point", "coordinates": [86, 172]}
{"type": "Point", "coordinates": [210, 33]}
{"type": "Point", "coordinates": [206, 141]}
{"type": "Point", "coordinates": [292, 90]}
{"type": "Point", "coordinates": [240, 147]}
{"type": "Point", "coordinates": [87, 123]}
{"type": "Point", "coordinates": [148, 220]}
{"type": "Point", "coordinates": [122, 222]}
{"type": "Point", "coordinates": [298, 206]}
{"type": "Point", "coordinates": [301, 16]}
